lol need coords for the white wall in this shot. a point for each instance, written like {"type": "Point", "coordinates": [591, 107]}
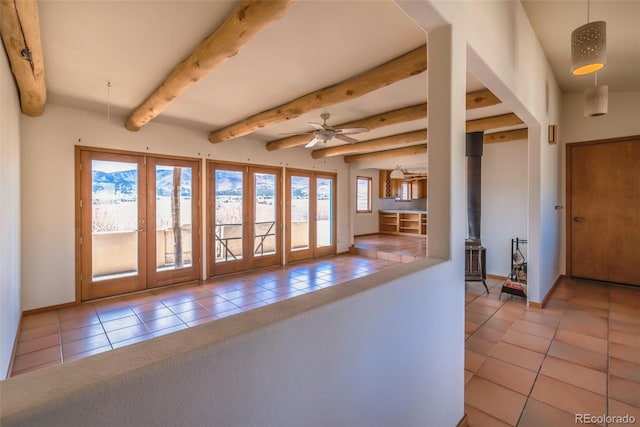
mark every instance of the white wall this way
{"type": "Point", "coordinates": [504, 201]}
{"type": "Point", "coordinates": [621, 119]}
{"type": "Point", "coordinates": [365, 223]}
{"type": "Point", "coordinates": [510, 62]}
{"type": "Point", "coordinates": [379, 357]}
{"type": "Point", "coordinates": [48, 249]}
{"type": "Point", "coordinates": [9, 212]}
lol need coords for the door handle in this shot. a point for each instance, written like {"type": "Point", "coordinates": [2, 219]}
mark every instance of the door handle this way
{"type": "Point", "coordinates": [578, 218]}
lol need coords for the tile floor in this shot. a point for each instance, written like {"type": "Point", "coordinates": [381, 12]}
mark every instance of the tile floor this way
{"type": "Point", "coordinates": [393, 247]}
{"type": "Point", "coordinates": [59, 336]}
{"type": "Point", "coordinates": [532, 367]}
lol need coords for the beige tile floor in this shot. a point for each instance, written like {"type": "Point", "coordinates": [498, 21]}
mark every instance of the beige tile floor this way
{"type": "Point", "coordinates": [532, 367]}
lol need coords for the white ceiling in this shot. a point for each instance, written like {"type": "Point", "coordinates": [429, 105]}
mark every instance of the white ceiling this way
{"type": "Point", "coordinates": [554, 20]}
{"type": "Point", "coordinates": [135, 44]}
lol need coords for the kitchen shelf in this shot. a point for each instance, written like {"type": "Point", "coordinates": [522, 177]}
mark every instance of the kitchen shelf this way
{"type": "Point", "coordinates": [403, 222]}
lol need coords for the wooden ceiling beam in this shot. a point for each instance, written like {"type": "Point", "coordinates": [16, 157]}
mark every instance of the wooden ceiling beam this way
{"type": "Point", "coordinates": [493, 122]}
{"type": "Point", "coordinates": [401, 115]}
{"type": "Point", "coordinates": [478, 99]}
{"type": "Point", "coordinates": [248, 19]}
{"type": "Point", "coordinates": [505, 136]}
{"type": "Point", "coordinates": [393, 141]}
{"type": "Point", "coordinates": [20, 31]}
{"type": "Point", "coordinates": [387, 154]}
{"type": "Point", "coordinates": [481, 98]}
{"type": "Point", "coordinates": [405, 66]}
{"type": "Point", "coordinates": [378, 144]}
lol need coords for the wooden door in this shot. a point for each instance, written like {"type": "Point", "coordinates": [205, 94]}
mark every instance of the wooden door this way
{"type": "Point", "coordinates": [138, 221]}
{"type": "Point", "coordinates": [311, 214]}
{"type": "Point", "coordinates": [113, 230]}
{"type": "Point", "coordinates": [173, 221]}
{"type": "Point", "coordinates": [603, 185]}
{"type": "Point", "coordinates": [245, 219]}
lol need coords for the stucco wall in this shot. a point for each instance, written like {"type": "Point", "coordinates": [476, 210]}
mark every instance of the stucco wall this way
{"type": "Point", "coordinates": [9, 212]}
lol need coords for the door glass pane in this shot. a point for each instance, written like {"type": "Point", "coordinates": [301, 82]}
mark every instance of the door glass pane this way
{"type": "Point", "coordinates": [324, 212]}
{"type": "Point", "coordinates": [299, 213]}
{"type": "Point", "coordinates": [173, 218]}
{"type": "Point", "coordinates": [228, 214]}
{"type": "Point", "coordinates": [264, 241]}
{"type": "Point", "coordinates": [114, 217]}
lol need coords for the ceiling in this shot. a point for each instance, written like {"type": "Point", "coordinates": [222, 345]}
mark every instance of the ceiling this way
{"type": "Point", "coordinates": [554, 20]}
{"type": "Point", "coordinates": [133, 45]}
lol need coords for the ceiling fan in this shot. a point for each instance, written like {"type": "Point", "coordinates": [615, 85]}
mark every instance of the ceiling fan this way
{"type": "Point", "coordinates": [324, 132]}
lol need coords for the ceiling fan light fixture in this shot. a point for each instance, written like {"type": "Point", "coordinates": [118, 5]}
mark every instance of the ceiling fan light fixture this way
{"type": "Point", "coordinates": [588, 47]}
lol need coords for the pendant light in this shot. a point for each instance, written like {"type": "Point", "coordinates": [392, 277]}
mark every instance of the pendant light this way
{"type": "Point", "coordinates": [396, 173]}
{"type": "Point", "coordinates": [596, 100]}
{"type": "Point", "coordinates": [589, 47]}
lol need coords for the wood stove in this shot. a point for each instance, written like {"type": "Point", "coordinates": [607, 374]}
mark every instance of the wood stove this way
{"type": "Point", "coordinates": [475, 262]}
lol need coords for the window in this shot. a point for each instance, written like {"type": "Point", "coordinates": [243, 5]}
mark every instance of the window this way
{"type": "Point", "coordinates": [405, 191]}
{"type": "Point", "coordinates": [363, 194]}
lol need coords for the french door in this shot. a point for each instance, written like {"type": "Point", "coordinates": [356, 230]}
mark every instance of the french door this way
{"type": "Point", "coordinates": [245, 217]}
{"type": "Point", "coordinates": [138, 222]}
{"type": "Point", "coordinates": [311, 213]}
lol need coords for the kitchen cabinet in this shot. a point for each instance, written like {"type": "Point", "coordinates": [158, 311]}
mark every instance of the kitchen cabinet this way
{"type": "Point", "coordinates": [419, 189]}
{"type": "Point", "coordinates": [388, 188]}
{"type": "Point", "coordinates": [388, 222]}
{"type": "Point", "coordinates": [401, 189]}
{"type": "Point", "coordinates": [402, 222]}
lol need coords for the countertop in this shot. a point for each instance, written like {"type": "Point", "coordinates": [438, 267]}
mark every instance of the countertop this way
{"type": "Point", "coordinates": [416, 211]}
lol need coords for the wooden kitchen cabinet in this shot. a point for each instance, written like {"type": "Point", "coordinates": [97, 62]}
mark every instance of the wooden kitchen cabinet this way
{"type": "Point", "coordinates": [419, 189]}
{"type": "Point", "coordinates": [388, 188]}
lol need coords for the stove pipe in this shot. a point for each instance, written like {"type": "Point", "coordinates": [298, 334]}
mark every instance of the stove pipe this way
{"type": "Point", "coordinates": [474, 181]}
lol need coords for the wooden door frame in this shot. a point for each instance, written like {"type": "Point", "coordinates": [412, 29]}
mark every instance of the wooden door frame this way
{"type": "Point", "coordinates": [313, 251]}
{"type": "Point", "coordinates": [79, 149]}
{"type": "Point", "coordinates": [267, 260]}
{"type": "Point", "coordinates": [568, 170]}
{"type": "Point", "coordinates": [248, 262]}
{"type": "Point", "coordinates": [84, 247]}
{"type": "Point", "coordinates": [154, 278]}
{"type": "Point", "coordinates": [331, 249]}
{"type": "Point", "coordinates": [232, 266]}
{"type": "Point", "coordinates": [293, 256]}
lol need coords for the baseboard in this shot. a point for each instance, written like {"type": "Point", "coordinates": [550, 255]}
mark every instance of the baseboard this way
{"type": "Point", "coordinates": [15, 347]}
{"type": "Point", "coordinates": [49, 308]}
{"type": "Point", "coordinates": [495, 276]}
{"type": "Point", "coordinates": [464, 422]}
{"type": "Point", "coordinates": [366, 234]}
{"type": "Point", "coordinates": [545, 300]}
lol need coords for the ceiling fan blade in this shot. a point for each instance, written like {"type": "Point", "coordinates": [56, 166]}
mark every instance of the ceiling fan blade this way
{"type": "Point", "coordinates": [297, 133]}
{"type": "Point", "coordinates": [345, 138]}
{"type": "Point", "coordinates": [313, 142]}
{"type": "Point", "coordinates": [317, 125]}
{"type": "Point", "coordinates": [351, 130]}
